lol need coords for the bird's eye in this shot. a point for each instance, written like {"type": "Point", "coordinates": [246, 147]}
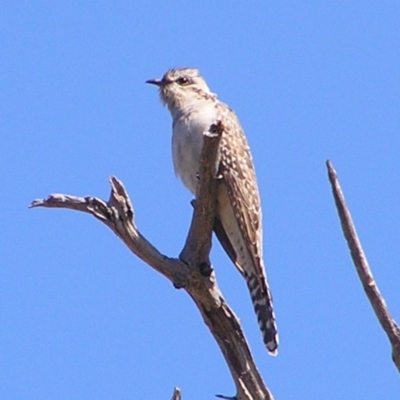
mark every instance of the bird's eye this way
{"type": "Point", "coordinates": [183, 80]}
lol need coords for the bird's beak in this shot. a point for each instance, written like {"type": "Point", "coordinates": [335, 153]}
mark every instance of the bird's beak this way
{"type": "Point", "coordinates": [157, 82]}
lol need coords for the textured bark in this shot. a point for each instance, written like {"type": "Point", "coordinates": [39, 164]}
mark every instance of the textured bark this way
{"type": "Point", "coordinates": [192, 270]}
{"type": "Point", "coordinates": [364, 272]}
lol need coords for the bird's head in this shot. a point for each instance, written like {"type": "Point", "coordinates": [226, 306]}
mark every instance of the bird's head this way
{"type": "Point", "coordinates": [181, 87]}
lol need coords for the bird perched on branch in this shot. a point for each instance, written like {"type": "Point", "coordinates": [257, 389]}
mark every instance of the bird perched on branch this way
{"type": "Point", "coordinates": [238, 224]}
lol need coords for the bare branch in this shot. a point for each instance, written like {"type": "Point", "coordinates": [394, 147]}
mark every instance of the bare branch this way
{"type": "Point", "coordinates": [189, 271]}
{"type": "Point", "coordinates": [364, 272]}
{"type": "Point", "coordinates": [198, 241]}
{"type": "Point", "coordinates": [176, 395]}
{"type": "Point", "coordinates": [118, 214]}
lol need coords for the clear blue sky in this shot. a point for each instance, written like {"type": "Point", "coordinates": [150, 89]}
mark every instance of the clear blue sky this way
{"type": "Point", "coordinates": [81, 317]}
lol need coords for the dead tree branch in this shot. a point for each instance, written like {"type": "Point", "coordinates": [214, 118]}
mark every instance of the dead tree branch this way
{"type": "Point", "coordinates": [176, 395]}
{"type": "Point", "coordinates": [192, 271]}
{"type": "Point", "coordinates": [364, 272]}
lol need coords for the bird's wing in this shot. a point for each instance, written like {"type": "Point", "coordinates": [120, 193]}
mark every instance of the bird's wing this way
{"type": "Point", "coordinates": [224, 240]}
{"type": "Point", "coordinates": [239, 181]}
{"type": "Point", "coordinates": [237, 170]}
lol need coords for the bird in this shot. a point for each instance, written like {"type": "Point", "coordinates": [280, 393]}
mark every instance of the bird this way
{"type": "Point", "coordinates": [238, 221]}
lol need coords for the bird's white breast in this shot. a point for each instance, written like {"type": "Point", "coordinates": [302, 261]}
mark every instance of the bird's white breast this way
{"type": "Point", "coordinates": [187, 140]}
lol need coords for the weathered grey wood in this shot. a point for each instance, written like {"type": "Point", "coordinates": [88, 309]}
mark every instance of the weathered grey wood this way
{"type": "Point", "coordinates": [192, 271]}
{"type": "Point", "coordinates": [364, 272]}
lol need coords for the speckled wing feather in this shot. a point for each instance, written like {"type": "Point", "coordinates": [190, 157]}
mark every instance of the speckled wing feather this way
{"type": "Point", "coordinates": [237, 170]}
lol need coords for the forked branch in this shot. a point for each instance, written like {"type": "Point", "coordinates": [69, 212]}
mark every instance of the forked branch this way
{"type": "Point", "coordinates": [364, 272]}
{"type": "Point", "coordinates": [192, 271]}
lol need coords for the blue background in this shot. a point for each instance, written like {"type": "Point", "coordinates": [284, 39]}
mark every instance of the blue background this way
{"type": "Point", "coordinates": [81, 317]}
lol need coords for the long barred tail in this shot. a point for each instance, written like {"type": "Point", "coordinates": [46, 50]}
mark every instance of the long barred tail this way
{"type": "Point", "coordinates": [262, 302]}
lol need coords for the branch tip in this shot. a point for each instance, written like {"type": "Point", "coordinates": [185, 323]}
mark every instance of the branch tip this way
{"type": "Point", "coordinates": [215, 130]}
{"type": "Point", "coordinates": [35, 203]}
{"type": "Point", "coordinates": [363, 270]}
{"type": "Point", "coordinates": [177, 394]}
